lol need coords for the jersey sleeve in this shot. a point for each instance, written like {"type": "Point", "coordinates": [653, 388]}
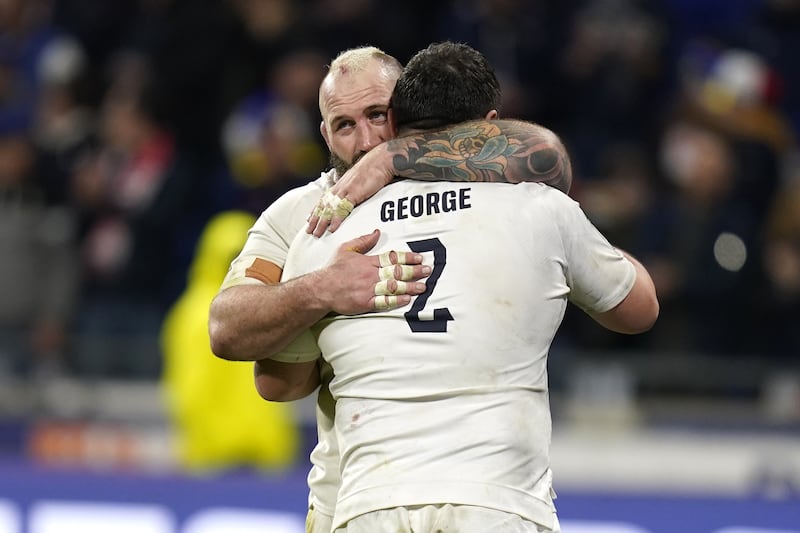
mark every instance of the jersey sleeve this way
{"type": "Point", "coordinates": [303, 349]}
{"type": "Point", "coordinates": [264, 254]}
{"type": "Point", "coordinates": [598, 275]}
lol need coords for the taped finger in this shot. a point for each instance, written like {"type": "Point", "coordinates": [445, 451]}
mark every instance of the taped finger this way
{"type": "Point", "coordinates": [386, 272]}
{"type": "Point", "coordinates": [385, 259]}
{"type": "Point", "coordinates": [325, 212]}
{"type": "Point", "coordinates": [406, 272]}
{"type": "Point", "coordinates": [383, 303]}
{"type": "Point", "coordinates": [402, 258]}
{"type": "Point", "coordinates": [342, 207]}
{"type": "Point", "coordinates": [324, 208]}
{"type": "Point", "coordinates": [384, 288]}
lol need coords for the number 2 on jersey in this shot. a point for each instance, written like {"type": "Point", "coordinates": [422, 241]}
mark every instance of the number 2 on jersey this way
{"type": "Point", "coordinates": [442, 314]}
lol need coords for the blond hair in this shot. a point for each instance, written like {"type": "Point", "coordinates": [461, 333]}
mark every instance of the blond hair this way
{"type": "Point", "coordinates": [357, 60]}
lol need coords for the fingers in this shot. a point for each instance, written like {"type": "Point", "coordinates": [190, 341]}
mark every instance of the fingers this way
{"type": "Point", "coordinates": [403, 258]}
{"type": "Point", "coordinates": [335, 223]}
{"type": "Point", "coordinates": [393, 287]}
{"type": "Point", "coordinates": [401, 272]}
{"type": "Point", "coordinates": [390, 287]}
{"type": "Point", "coordinates": [392, 293]}
{"type": "Point", "coordinates": [398, 272]}
{"type": "Point", "coordinates": [330, 208]}
{"type": "Point", "coordinates": [404, 266]}
{"type": "Point", "coordinates": [313, 220]}
{"type": "Point", "coordinates": [385, 303]}
{"type": "Point", "coordinates": [362, 244]}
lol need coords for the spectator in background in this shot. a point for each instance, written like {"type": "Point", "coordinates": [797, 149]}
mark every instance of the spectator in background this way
{"type": "Point", "coordinates": [723, 151]}
{"type": "Point", "coordinates": [270, 138]}
{"type": "Point", "coordinates": [610, 78]}
{"type": "Point", "coordinates": [64, 123]}
{"type": "Point", "coordinates": [521, 39]}
{"type": "Point", "coordinates": [131, 192]}
{"type": "Point", "coordinates": [24, 33]}
{"type": "Point", "coordinates": [202, 392]}
{"type": "Point", "coordinates": [778, 305]}
{"type": "Point", "coordinates": [38, 270]}
{"type": "Point", "coordinates": [736, 93]}
{"type": "Point", "coordinates": [698, 240]}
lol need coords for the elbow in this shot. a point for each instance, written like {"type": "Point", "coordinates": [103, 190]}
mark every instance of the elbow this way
{"type": "Point", "coordinates": [285, 382]}
{"type": "Point", "coordinates": [646, 318]}
{"type": "Point", "coordinates": [279, 390]}
{"type": "Point", "coordinates": [221, 340]}
{"type": "Point", "coordinates": [272, 390]}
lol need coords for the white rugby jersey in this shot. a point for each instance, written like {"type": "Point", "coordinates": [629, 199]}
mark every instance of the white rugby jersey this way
{"type": "Point", "coordinates": [446, 400]}
{"type": "Point", "coordinates": [269, 240]}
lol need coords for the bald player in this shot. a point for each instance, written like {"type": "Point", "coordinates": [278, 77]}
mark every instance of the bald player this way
{"type": "Point", "coordinates": [442, 414]}
{"type": "Point", "coordinates": [254, 316]}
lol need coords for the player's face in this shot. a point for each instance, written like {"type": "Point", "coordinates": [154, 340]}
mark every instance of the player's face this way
{"type": "Point", "coordinates": [354, 111]}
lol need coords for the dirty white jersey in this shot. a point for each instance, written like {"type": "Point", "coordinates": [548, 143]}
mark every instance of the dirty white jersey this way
{"type": "Point", "coordinates": [446, 400]}
{"type": "Point", "coordinates": [268, 244]}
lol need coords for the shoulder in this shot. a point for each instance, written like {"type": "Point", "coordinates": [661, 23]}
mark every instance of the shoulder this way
{"type": "Point", "coordinates": [300, 196]}
{"type": "Point", "coordinates": [293, 207]}
{"type": "Point", "coordinates": [555, 201]}
{"type": "Point", "coordinates": [273, 231]}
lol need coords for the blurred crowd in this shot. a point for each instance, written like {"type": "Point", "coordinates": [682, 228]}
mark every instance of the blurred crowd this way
{"type": "Point", "coordinates": [127, 126]}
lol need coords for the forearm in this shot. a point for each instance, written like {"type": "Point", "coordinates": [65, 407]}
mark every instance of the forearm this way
{"type": "Point", "coordinates": [252, 322]}
{"type": "Point", "coordinates": [285, 382]}
{"type": "Point", "coordinates": [498, 150]}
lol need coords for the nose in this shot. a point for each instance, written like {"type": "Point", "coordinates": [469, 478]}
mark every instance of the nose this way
{"type": "Point", "coordinates": [367, 138]}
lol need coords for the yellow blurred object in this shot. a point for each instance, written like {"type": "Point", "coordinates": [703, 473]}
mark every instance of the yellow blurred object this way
{"type": "Point", "coordinates": [250, 168]}
{"type": "Point", "coordinates": [219, 419]}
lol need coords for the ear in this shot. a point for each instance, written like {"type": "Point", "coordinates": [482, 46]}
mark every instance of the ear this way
{"type": "Point", "coordinates": [492, 115]}
{"type": "Point", "coordinates": [324, 131]}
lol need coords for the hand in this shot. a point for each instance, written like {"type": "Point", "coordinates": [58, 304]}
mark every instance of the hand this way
{"type": "Point", "coordinates": [371, 173]}
{"type": "Point", "coordinates": [356, 283]}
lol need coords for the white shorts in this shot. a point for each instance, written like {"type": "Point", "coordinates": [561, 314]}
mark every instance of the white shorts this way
{"type": "Point", "coordinates": [442, 519]}
{"type": "Point", "coordinates": [318, 522]}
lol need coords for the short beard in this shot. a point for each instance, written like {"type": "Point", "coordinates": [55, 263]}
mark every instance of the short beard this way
{"type": "Point", "coordinates": [341, 166]}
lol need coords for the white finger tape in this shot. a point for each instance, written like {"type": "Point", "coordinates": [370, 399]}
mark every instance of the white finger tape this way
{"type": "Point", "coordinates": [382, 288]}
{"type": "Point", "coordinates": [386, 272]}
{"type": "Point", "coordinates": [385, 302]}
{"type": "Point", "coordinates": [406, 272]}
{"type": "Point", "coordinates": [385, 259]}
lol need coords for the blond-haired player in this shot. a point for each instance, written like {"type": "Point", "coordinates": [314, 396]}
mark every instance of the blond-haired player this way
{"type": "Point", "coordinates": [254, 316]}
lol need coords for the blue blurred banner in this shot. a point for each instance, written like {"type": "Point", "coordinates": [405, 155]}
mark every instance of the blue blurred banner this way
{"type": "Point", "coordinates": [35, 499]}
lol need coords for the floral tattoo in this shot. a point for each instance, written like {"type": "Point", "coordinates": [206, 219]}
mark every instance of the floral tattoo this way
{"type": "Point", "coordinates": [498, 150]}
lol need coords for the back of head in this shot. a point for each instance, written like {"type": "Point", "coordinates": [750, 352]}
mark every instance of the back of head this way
{"type": "Point", "coordinates": [444, 84]}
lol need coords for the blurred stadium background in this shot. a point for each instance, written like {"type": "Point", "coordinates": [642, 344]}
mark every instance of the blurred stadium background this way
{"type": "Point", "coordinates": [138, 138]}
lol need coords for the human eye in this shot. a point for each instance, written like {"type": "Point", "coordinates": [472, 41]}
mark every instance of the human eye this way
{"type": "Point", "coordinates": [378, 116]}
{"type": "Point", "coordinates": [343, 125]}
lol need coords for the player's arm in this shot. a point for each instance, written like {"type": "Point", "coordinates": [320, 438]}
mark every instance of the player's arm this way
{"type": "Point", "coordinates": [607, 283]}
{"type": "Point", "coordinates": [638, 311]}
{"type": "Point", "coordinates": [505, 151]}
{"type": "Point", "coordinates": [508, 151]}
{"type": "Point", "coordinates": [252, 322]}
{"type": "Point", "coordinates": [256, 321]}
{"type": "Point", "coordinates": [278, 381]}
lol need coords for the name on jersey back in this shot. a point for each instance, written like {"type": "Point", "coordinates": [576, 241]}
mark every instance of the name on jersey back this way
{"type": "Point", "coordinates": [420, 205]}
